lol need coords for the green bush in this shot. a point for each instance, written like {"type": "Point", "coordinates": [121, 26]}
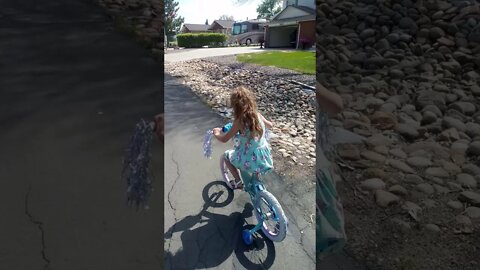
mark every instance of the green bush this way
{"type": "Point", "coordinates": [198, 40]}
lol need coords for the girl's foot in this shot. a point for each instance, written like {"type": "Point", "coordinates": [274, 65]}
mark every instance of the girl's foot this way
{"type": "Point", "coordinates": [236, 184]}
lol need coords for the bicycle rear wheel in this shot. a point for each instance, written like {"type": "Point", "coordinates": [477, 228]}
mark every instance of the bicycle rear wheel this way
{"type": "Point", "coordinates": [275, 222]}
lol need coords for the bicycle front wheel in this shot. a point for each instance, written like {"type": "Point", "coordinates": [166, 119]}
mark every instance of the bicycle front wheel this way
{"type": "Point", "coordinates": [269, 210]}
{"type": "Point", "coordinates": [226, 174]}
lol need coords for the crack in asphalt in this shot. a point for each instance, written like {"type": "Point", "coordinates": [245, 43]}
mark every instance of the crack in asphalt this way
{"type": "Point", "coordinates": [39, 225]}
{"type": "Point", "coordinates": [170, 200]}
{"type": "Point", "coordinates": [303, 246]}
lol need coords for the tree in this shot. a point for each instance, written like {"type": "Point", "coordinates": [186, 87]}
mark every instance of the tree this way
{"type": "Point", "coordinates": [173, 21]}
{"type": "Point", "coordinates": [226, 18]}
{"type": "Point", "coordinates": [268, 8]}
{"type": "Point", "coordinates": [206, 22]}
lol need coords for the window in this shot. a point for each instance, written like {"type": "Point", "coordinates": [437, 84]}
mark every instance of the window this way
{"type": "Point", "coordinates": [255, 26]}
{"type": "Point", "coordinates": [244, 28]}
{"type": "Point", "coordinates": [236, 29]}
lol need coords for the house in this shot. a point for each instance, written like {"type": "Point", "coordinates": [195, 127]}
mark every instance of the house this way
{"type": "Point", "coordinates": [221, 26]}
{"type": "Point", "coordinates": [293, 26]}
{"type": "Point", "coordinates": [194, 28]}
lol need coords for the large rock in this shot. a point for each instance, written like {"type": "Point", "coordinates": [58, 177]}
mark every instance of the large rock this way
{"type": "Point", "coordinates": [470, 197]}
{"type": "Point", "coordinates": [385, 198]}
{"type": "Point", "coordinates": [400, 165]}
{"type": "Point", "coordinates": [449, 135]}
{"type": "Point", "coordinates": [433, 147]}
{"type": "Point", "coordinates": [436, 32]}
{"type": "Point", "coordinates": [428, 117]}
{"type": "Point", "coordinates": [413, 179]}
{"type": "Point", "coordinates": [471, 169]}
{"type": "Point", "coordinates": [455, 205]}
{"type": "Point", "coordinates": [373, 184]}
{"type": "Point", "coordinates": [419, 162]}
{"type": "Point", "coordinates": [374, 173]}
{"type": "Point", "coordinates": [399, 153]}
{"type": "Point", "coordinates": [437, 172]}
{"type": "Point", "coordinates": [348, 151]}
{"type": "Point", "coordinates": [370, 155]}
{"type": "Point", "coordinates": [458, 151]}
{"type": "Point", "coordinates": [472, 129]}
{"type": "Point", "coordinates": [450, 122]}
{"type": "Point", "coordinates": [408, 131]}
{"type": "Point", "coordinates": [383, 120]}
{"type": "Point", "coordinates": [466, 108]}
{"type": "Point", "coordinates": [474, 148]}
{"type": "Point", "coordinates": [429, 97]}
{"type": "Point", "coordinates": [425, 188]}
{"type": "Point", "coordinates": [378, 140]}
{"type": "Point", "coordinates": [473, 212]}
{"type": "Point", "coordinates": [466, 180]}
{"type": "Point", "coordinates": [398, 190]}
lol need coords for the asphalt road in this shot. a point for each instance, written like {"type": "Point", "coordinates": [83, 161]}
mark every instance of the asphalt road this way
{"type": "Point", "coordinates": [203, 219]}
{"type": "Point", "coordinates": [71, 90]}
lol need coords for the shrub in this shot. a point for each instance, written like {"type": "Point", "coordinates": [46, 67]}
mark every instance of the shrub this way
{"type": "Point", "coordinates": [198, 40]}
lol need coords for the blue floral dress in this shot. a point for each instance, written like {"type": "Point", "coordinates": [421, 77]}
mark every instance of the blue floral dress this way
{"type": "Point", "coordinates": [251, 154]}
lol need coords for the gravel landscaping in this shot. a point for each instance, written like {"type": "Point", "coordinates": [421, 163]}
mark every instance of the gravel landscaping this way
{"type": "Point", "coordinates": [409, 74]}
{"type": "Point", "coordinates": [288, 105]}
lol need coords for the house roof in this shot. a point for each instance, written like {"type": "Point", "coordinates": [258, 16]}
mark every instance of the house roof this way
{"type": "Point", "coordinates": [309, 14]}
{"type": "Point", "coordinates": [196, 27]}
{"type": "Point", "coordinates": [306, 9]}
{"type": "Point", "coordinates": [223, 23]}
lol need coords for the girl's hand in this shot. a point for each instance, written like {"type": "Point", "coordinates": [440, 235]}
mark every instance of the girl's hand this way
{"type": "Point", "coordinates": [159, 128]}
{"type": "Point", "coordinates": [217, 131]}
{"type": "Point", "coordinates": [329, 101]}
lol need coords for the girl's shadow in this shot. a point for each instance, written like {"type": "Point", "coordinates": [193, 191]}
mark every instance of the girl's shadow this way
{"type": "Point", "coordinates": [209, 239]}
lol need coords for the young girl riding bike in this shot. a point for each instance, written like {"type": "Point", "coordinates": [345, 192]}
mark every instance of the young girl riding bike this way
{"type": "Point", "coordinates": [251, 153]}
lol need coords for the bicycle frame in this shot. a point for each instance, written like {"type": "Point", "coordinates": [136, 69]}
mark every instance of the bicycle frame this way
{"type": "Point", "coordinates": [253, 185]}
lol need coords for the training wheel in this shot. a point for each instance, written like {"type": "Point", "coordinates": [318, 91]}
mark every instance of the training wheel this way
{"type": "Point", "coordinates": [247, 237]}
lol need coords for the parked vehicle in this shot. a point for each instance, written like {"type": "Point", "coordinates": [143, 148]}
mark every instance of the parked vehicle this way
{"type": "Point", "coordinates": [248, 32]}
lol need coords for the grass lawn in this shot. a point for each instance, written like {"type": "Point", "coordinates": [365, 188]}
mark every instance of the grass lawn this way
{"type": "Point", "coordinates": [300, 61]}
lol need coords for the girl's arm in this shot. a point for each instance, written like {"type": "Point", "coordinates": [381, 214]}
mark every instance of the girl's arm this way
{"type": "Point", "coordinates": [267, 123]}
{"type": "Point", "coordinates": [329, 101]}
{"type": "Point", "coordinates": [217, 132]}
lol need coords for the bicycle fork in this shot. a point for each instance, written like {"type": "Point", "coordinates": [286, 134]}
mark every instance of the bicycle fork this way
{"type": "Point", "coordinates": [257, 227]}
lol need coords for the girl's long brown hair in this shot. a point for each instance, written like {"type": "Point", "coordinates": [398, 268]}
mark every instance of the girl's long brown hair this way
{"type": "Point", "coordinates": [245, 109]}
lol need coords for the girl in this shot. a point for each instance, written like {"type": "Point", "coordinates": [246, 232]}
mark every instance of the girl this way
{"type": "Point", "coordinates": [330, 220]}
{"type": "Point", "coordinates": [251, 153]}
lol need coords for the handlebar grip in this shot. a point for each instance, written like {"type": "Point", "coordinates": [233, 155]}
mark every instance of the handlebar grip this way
{"type": "Point", "coordinates": [227, 127]}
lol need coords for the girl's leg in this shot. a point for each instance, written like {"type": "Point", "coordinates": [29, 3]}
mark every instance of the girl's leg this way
{"type": "Point", "coordinates": [232, 169]}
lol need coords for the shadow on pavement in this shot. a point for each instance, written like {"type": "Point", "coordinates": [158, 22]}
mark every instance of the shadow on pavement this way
{"type": "Point", "coordinates": [209, 239]}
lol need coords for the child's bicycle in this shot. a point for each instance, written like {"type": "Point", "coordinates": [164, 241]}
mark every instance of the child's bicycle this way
{"type": "Point", "coordinates": [268, 211]}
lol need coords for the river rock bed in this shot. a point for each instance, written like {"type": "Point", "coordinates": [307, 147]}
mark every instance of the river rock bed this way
{"type": "Point", "coordinates": [288, 105]}
{"type": "Point", "coordinates": [231, 61]}
{"type": "Point", "coordinates": [408, 72]}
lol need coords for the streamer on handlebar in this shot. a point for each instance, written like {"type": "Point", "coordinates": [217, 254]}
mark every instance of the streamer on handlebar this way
{"type": "Point", "coordinates": [207, 144]}
{"type": "Point", "coordinates": [136, 165]}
